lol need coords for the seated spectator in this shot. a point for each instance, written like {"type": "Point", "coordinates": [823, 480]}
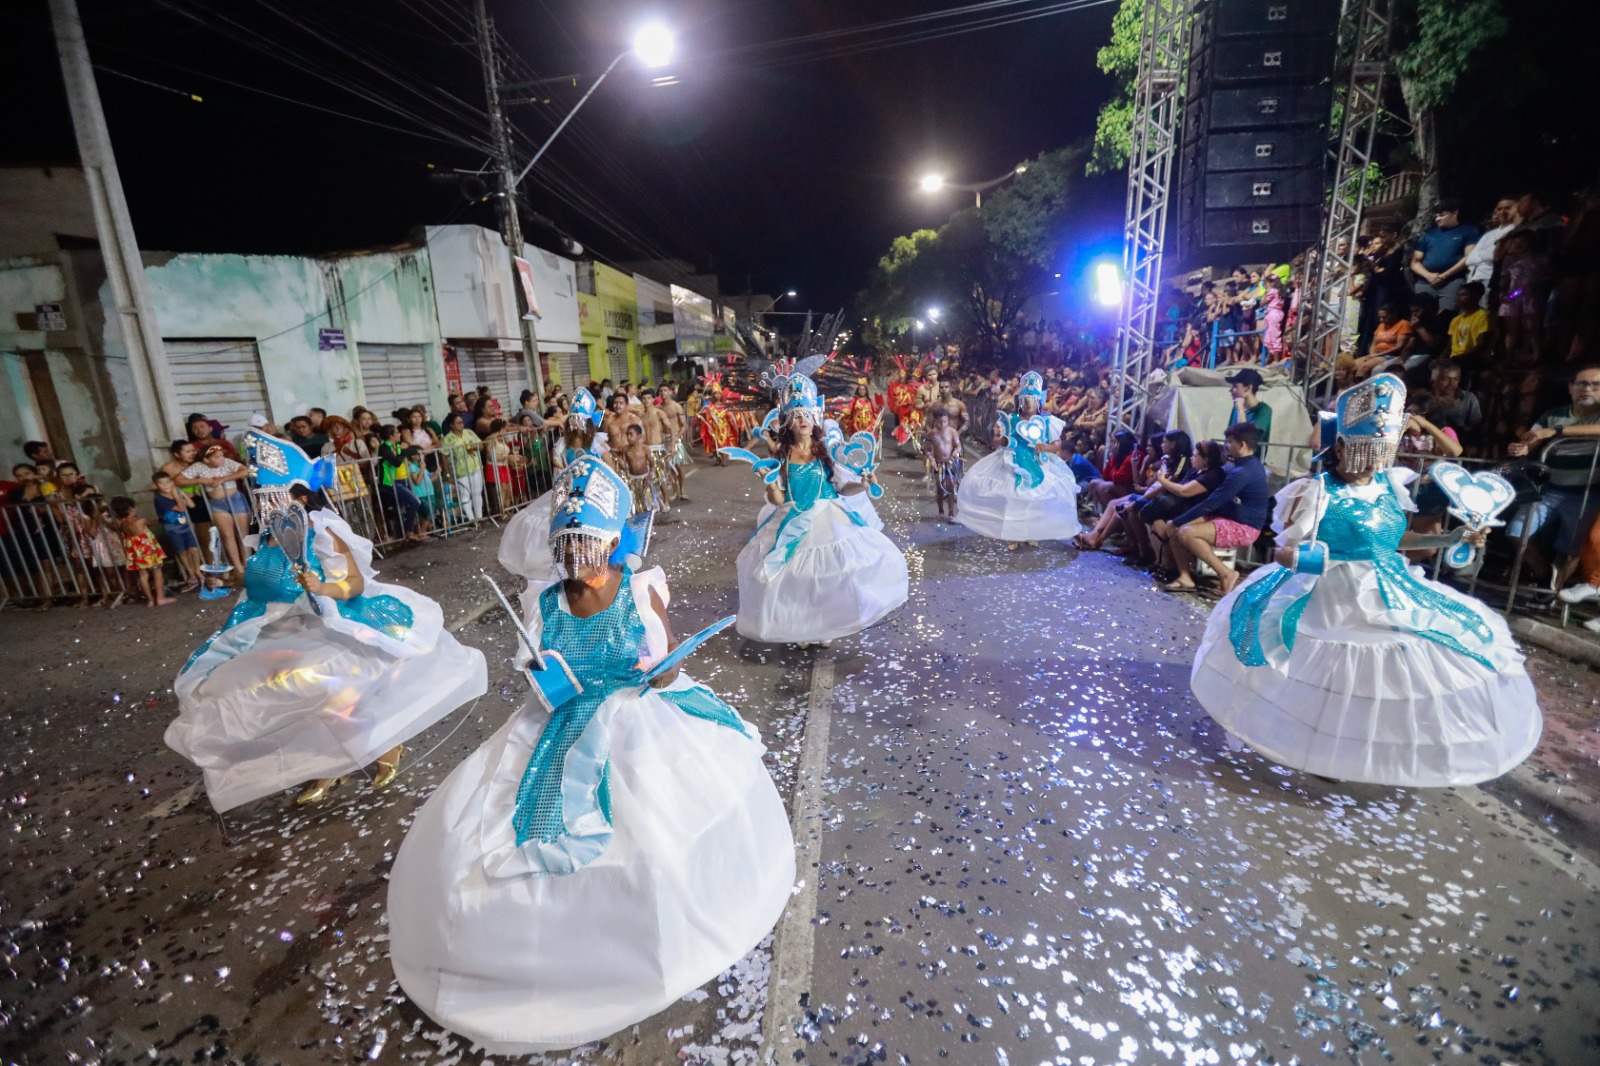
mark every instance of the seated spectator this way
{"type": "Point", "coordinates": [1559, 520]}
{"type": "Point", "coordinates": [1232, 516]}
{"type": "Point", "coordinates": [1116, 479]}
{"type": "Point", "coordinates": [1391, 343]}
{"type": "Point", "coordinates": [1430, 335]}
{"type": "Point", "coordinates": [1205, 473]}
{"type": "Point", "coordinates": [1447, 404]}
{"type": "Point", "coordinates": [1083, 469]}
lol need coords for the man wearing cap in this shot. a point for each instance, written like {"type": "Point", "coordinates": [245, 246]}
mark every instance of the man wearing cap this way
{"type": "Point", "coordinates": [1247, 406]}
{"type": "Point", "coordinates": [207, 431]}
{"type": "Point", "coordinates": [1439, 260]}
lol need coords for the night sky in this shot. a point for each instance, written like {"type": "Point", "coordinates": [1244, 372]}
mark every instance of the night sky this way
{"type": "Point", "coordinates": [785, 163]}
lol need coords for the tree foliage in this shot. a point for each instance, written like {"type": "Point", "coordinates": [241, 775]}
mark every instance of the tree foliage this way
{"type": "Point", "coordinates": [1113, 131]}
{"type": "Point", "coordinates": [984, 266]}
{"type": "Point", "coordinates": [1439, 41]}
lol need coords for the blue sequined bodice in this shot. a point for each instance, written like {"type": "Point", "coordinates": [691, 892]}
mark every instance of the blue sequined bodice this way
{"type": "Point", "coordinates": [1356, 528]}
{"type": "Point", "coordinates": [574, 454]}
{"type": "Point", "coordinates": [603, 650]}
{"type": "Point", "coordinates": [808, 483]}
{"type": "Point", "coordinates": [269, 578]}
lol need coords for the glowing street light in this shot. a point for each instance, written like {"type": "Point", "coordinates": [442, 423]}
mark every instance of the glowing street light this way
{"type": "Point", "coordinates": [933, 313]}
{"type": "Point", "coordinates": [934, 182]}
{"type": "Point", "coordinates": [1107, 285]}
{"type": "Point", "coordinates": [653, 45]}
{"type": "Point", "coordinates": [918, 323]}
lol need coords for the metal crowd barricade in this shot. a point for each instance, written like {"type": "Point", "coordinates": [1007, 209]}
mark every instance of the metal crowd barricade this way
{"type": "Point", "coordinates": [1218, 335]}
{"type": "Point", "coordinates": [1560, 479]}
{"type": "Point", "coordinates": [446, 491]}
{"type": "Point", "coordinates": [47, 553]}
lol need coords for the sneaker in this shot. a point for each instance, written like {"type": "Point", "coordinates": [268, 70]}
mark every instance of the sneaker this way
{"type": "Point", "coordinates": [1579, 594]}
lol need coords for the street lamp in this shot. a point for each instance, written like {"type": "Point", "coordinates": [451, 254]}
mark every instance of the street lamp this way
{"type": "Point", "coordinates": [652, 46]}
{"type": "Point", "coordinates": [934, 182]}
{"type": "Point", "coordinates": [933, 313]}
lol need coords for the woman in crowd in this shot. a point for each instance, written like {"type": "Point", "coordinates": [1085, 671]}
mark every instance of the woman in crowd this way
{"type": "Point", "coordinates": [1131, 516]}
{"type": "Point", "coordinates": [319, 670]}
{"type": "Point", "coordinates": [815, 570]}
{"type": "Point", "coordinates": [1022, 492]}
{"type": "Point", "coordinates": [592, 863]}
{"type": "Point", "coordinates": [1117, 472]}
{"type": "Point", "coordinates": [349, 452]}
{"type": "Point", "coordinates": [414, 428]}
{"type": "Point", "coordinates": [183, 457]}
{"type": "Point", "coordinates": [462, 465]}
{"type": "Point", "coordinates": [1341, 661]}
{"type": "Point", "coordinates": [1204, 473]}
{"type": "Point", "coordinates": [223, 481]}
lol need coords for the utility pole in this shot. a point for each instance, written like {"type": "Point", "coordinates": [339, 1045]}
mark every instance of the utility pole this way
{"type": "Point", "coordinates": [147, 357]}
{"type": "Point", "coordinates": [510, 224]}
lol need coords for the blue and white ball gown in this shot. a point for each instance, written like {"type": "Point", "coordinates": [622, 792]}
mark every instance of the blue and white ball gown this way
{"type": "Point", "coordinates": [282, 695]}
{"type": "Point", "coordinates": [1017, 493]}
{"type": "Point", "coordinates": [1370, 672]}
{"type": "Point", "coordinates": [815, 569]}
{"type": "Point", "coordinates": [581, 872]}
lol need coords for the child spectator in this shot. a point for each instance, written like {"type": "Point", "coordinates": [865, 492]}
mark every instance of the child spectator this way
{"type": "Point", "coordinates": [942, 444]}
{"type": "Point", "coordinates": [172, 508]}
{"type": "Point", "coordinates": [1469, 330]}
{"type": "Point", "coordinates": [144, 553]}
{"type": "Point", "coordinates": [421, 488]}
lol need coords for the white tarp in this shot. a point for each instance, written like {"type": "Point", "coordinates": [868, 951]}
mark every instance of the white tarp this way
{"type": "Point", "coordinates": [1203, 410]}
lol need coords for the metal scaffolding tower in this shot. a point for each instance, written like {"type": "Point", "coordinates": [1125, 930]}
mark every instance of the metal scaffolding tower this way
{"type": "Point", "coordinates": [1326, 299]}
{"type": "Point", "coordinates": [1152, 156]}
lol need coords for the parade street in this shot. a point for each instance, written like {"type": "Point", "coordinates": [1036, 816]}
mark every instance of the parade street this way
{"type": "Point", "coordinates": [1021, 840]}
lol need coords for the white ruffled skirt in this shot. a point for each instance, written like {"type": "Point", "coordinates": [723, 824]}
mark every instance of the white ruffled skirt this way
{"type": "Point", "coordinates": [989, 501]}
{"type": "Point", "coordinates": [1361, 699]}
{"type": "Point", "coordinates": [840, 579]}
{"type": "Point", "coordinates": [698, 870]}
{"type": "Point", "coordinates": [289, 697]}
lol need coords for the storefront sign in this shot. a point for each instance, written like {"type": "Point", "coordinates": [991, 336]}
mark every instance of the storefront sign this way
{"type": "Point", "coordinates": [619, 321]}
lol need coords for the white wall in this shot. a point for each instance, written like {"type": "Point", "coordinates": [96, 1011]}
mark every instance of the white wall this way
{"type": "Point", "coordinates": [473, 279]}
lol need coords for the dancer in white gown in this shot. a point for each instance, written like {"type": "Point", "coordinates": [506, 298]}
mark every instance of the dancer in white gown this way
{"type": "Point", "coordinates": [1341, 660]}
{"type": "Point", "coordinates": [291, 690]}
{"type": "Point", "coordinates": [1022, 492]}
{"type": "Point", "coordinates": [584, 869]}
{"type": "Point", "coordinates": [815, 570]}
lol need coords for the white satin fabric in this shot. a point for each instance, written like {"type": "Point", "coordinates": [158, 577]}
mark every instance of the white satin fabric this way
{"type": "Point", "coordinates": [699, 868]}
{"type": "Point", "coordinates": [842, 577]}
{"type": "Point", "coordinates": [291, 696]}
{"type": "Point", "coordinates": [989, 501]}
{"type": "Point", "coordinates": [1359, 699]}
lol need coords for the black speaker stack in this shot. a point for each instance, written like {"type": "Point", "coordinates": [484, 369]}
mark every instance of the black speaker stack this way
{"type": "Point", "coordinates": [1253, 152]}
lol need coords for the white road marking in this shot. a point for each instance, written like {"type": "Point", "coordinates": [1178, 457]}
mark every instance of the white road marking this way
{"type": "Point", "coordinates": [793, 945]}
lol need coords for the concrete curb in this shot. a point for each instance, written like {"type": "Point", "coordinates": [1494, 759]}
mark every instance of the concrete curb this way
{"type": "Point", "coordinates": [1563, 642]}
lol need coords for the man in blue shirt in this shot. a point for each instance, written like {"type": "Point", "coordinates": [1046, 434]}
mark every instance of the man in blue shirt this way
{"type": "Point", "coordinates": [1230, 516]}
{"type": "Point", "coordinates": [1439, 260]}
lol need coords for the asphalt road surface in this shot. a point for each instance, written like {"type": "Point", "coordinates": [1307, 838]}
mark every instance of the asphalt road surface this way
{"type": "Point", "coordinates": [1021, 841]}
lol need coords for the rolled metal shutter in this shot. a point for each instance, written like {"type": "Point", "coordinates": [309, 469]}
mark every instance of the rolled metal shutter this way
{"type": "Point", "coordinates": [220, 378]}
{"type": "Point", "coordinates": [393, 376]}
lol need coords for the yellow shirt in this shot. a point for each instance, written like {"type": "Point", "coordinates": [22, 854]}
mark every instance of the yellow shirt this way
{"type": "Point", "coordinates": [1466, 330]}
